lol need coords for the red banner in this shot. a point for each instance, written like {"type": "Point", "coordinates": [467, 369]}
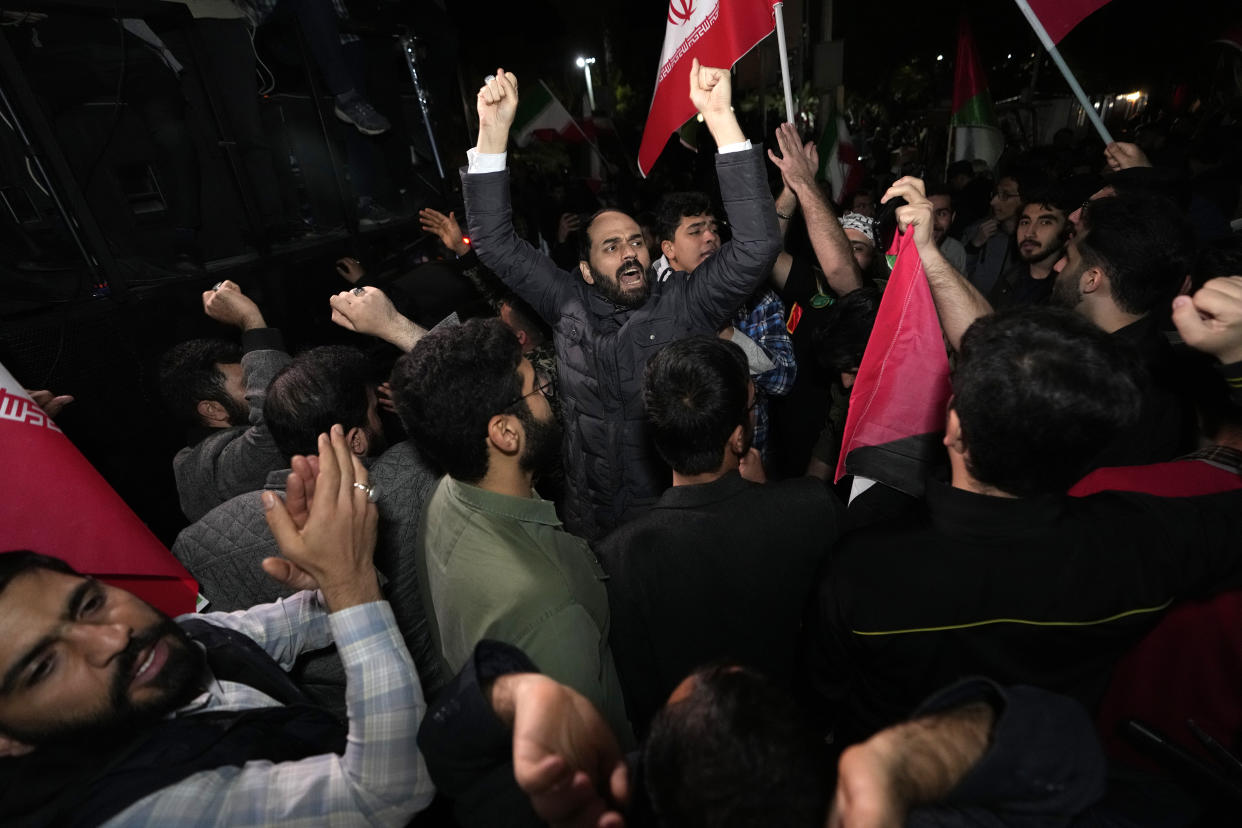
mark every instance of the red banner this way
{"type": "Point", "coordinates": [898, 403]}
{"type": "Point", "coordinates": [718, 33]}
{"type": "Point", "coordinates": [52, 501]}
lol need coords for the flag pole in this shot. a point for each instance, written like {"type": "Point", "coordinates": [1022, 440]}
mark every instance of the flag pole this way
{"type": "Point", "coordinates": [1042, 34]}
{"type": "Point", "coordinates": [778, 10]}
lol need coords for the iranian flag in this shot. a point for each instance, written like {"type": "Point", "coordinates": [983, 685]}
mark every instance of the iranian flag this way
{"type": "Point", "coordinates": [52, 501]}
{"type": "Point", "coordinates": [540, 115]}
{"type": "Point", "coordinates": [1058, 17]}
{"type": "Point", "coordinates": [975, 133]}
{"type": "Point", "coordinates": [838, 158]}
{"type": "Point", "coordinates": [897, 406]}
{"type": "Point", "coordinates": [718, 33]}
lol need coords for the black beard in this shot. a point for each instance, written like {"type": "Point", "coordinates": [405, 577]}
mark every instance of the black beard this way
{"type": "Point", "coordinates": [239, 413]}
{"type": "Point", "coordinates": [182, 678]}
{"type": "Point", "coordinates": [611, 289]}
{"type": "Point", "coordinates": [543, 442]}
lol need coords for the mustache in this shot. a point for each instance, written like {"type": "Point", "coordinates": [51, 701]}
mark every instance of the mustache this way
{"type": "Point", "coordinates": [127, 658]}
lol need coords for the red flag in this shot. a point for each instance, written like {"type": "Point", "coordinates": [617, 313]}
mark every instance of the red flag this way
{"type": "Point", "coordinates": [1059, 16]}
{"type": "Point", "coordinates": [718, 33]}
{"type": "Point", "coordinates": [52, 501]}
{"type": "Point", "coordinates": [897, 406]}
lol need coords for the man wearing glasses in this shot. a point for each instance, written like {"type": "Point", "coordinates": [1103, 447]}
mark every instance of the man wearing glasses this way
{"type": "Point", "coordinates": [990, 243]}
{"type": "Point", "coordinates": [491, 556]}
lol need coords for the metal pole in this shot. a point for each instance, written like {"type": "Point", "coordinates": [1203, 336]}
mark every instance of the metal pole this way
{"type": "Point", "coordinates": [1042, 34]}
{"type": "Point", "coordinates": [407, 46]}
{"type": "Point", "coordinates": [586, 67]}
{"type": "Point", "coordinates": [778, 9]}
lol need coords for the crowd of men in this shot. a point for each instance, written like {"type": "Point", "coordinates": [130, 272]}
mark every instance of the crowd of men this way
{"type": "Point", "coordinates": [695, 629]}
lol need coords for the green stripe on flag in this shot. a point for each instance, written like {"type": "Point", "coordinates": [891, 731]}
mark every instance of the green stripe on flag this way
{"type": "Point", "coordinates": [976, 111]}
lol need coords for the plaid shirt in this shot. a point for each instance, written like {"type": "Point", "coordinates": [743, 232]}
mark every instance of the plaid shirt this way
{"type": "Point", "coordinates": [764, 322]}
{"type": "Point", "coordinates": [379, 780]}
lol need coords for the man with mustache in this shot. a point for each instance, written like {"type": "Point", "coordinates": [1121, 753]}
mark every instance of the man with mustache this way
{"type": "Point", "coordinates": [610, 317]}
{"type": "Point", "coordinates": [113, 714]}
{"type": "Point", "coordinates": [1041, 235]}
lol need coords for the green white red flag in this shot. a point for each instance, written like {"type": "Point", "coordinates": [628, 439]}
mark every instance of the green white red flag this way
{"type": "Point", "coordinates": [718, 33]}
{"type": "Point", "coordinates": [541, 115]}
{"type": "Point", "coordinates": [975, 131]}
{"type": "Point", "coordinates": [838, 158]}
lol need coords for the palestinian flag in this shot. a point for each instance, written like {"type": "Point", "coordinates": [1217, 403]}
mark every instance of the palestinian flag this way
{"type": "Point", "coordinates": [897, 406]}
{"type": "Point", "coordinates": [975, 133]}
{"type": "Point", "coordinates": [52, 501]}
{"type": "Point", "coordinates": [838, 158]}
{"type": "Point", "coordinates": [540, 115]}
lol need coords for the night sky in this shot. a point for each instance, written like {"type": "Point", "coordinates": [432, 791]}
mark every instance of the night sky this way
{"type": "Point", "coordinates": [1127, 44]}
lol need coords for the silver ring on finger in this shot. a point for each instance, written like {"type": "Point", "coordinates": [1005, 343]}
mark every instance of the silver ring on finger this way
{"type": "Point", "coordinates": [358, 292]}
{"type": "Point", "coordinates": [372, 491]}
{"type": "Point", "coordinates": [488, 79]}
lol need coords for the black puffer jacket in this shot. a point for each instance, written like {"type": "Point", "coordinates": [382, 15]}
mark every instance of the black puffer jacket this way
{"type": "Point", "coordinates": [601, 350]}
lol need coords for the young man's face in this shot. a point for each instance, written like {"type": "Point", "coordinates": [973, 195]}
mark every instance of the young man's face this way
{"type": "Point", "coordinates": [861, 245]}
{"type": "Point", "coordinates": [1067, 290]}
{"type": "Point", "coordinates": [81, 660]}
{"type": "Point", "coordinates": [1040, 233]}
{"type": "Point", "coordinates": [694, 241]}
{"type": "Point", "coordinates": [618, 261]}
{"type": "Point", "coordinates": [942, 216]}
{"type": "Point", "coordinates": [1006, 200]}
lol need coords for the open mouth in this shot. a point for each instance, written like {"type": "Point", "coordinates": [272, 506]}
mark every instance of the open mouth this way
{"type": "Point", "coordinates": [630, 276]}
{"type": "Point", "coordinates": [150, 664]}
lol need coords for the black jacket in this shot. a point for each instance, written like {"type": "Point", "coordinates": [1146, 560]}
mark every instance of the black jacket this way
{"type": "Point", "coordinates": [719, 570]}
{"type": "Point", "coordinates": [602, 350]}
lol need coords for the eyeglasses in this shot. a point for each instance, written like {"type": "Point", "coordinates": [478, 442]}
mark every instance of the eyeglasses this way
{"type": "Point", "coordinates": [542, 385]}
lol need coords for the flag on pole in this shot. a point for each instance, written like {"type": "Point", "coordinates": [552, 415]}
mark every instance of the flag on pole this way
{"type": "Point", "coordinates": [52, 501]}
{"type": "Point", "coordinates": [897, 406]}
{"type": "Point", "coordinates": [838, 158]}
{"type": "Point", "coordinates": [541, 115]}
{"type": "Point", "coordinates": [975, 132]}
{"type": "Point", "coordinates": [718, 33]}
{"type": "Point", "coordinates": [1059, 16]}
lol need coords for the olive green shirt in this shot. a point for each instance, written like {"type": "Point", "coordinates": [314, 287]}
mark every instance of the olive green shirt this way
{"type": "Point", "coordinates": [501, 567]}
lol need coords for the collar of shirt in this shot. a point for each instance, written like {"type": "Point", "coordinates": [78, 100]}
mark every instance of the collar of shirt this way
{"type": "Point", "coordinates": [959, 512]}
{"type": "Point", "coordinates": [532, 509]}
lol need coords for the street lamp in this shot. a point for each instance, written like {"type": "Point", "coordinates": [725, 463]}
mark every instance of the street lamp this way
{"type": "Point", "coordinates": [585, 65]}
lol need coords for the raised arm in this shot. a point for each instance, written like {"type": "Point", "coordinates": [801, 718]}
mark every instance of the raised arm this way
{"type": "Point", "coordinates": [368, 310]}
{"type": "Point", "coordinates": [958, 302]}
{"type": "Point", "coordinates": [727, 279]}
{"type": "Point", "coordinates": [489, 214]}
{"type": "Point", "coordinates": [798, 164]}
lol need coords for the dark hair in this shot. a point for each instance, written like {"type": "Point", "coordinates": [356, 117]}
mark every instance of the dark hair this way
{"type": "Point", "coordinates": [695, 391]}
{"type": "Point", "coordinates": [319, 388]}
{"type": "Point", "coordinates": [449, 387]}
{"type": "Point", "coordinates": [1144, 245]}
{"type": "Point", "coordinates": [19, 561]}
{"type": "Point", "coordinates": [841, 339]}
{"type": "Point", "coordinates": [189, 373]}
{"type": "Point", "coordinates": [675, 206]}
{"type": "Point", "coordinates": [1039, 391]}
{"type": "Point", "coordinates": [940, 190]}
{"type": "Point", "coordinates": [1154, 181]}
{"type": "Point", "coordinates": [1049, 195]}
{"type": "Point", "coordinates": [734, 753]}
